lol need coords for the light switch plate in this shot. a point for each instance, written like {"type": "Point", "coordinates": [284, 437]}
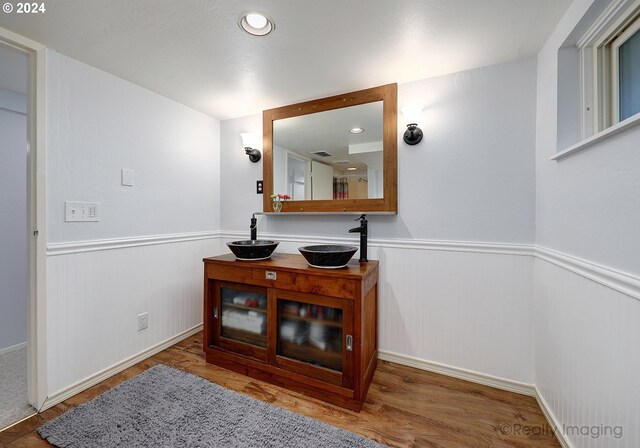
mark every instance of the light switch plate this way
{"type": "Point", "coordinates": [81, 211]}
{"type": "Point", "coordinates": [127, 177]}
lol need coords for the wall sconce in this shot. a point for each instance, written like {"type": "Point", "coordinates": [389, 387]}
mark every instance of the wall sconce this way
{"type": "Point", "coordinates": [249, 144]}
{"type": "Point", "coordinates": [413, 134]}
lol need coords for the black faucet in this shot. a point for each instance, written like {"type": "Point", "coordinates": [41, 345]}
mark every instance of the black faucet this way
{"type": "Point", "coordinates": [254, 228]}
{"type": "Point", "coordinates": [362, 230]}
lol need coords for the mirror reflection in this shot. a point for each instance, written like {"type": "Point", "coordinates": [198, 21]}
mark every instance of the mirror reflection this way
{"type": "Point", "coordinates": [335, 154]}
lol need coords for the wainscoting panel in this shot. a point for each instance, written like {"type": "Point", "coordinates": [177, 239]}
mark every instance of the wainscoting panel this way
{"type": "Point", "coordinates": [96, 290]}
{"type": "Point", "coordinates": [463, 309]}
{"type": "Point", "coordinates": [464, 305]}
{"type": "Point", "coordinates": [587, 365]}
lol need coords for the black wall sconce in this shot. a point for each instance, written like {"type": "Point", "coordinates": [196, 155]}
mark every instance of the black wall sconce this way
{"type": "Point", "coordinates": [413, 135]}
{"type": "Point", "coordinates": [248, 142]}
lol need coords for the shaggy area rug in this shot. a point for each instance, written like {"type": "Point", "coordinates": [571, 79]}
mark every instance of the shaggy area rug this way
{"type": "Point", "coordinates": [165, 407]}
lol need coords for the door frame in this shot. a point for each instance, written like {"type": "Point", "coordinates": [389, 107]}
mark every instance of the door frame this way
{"type": "Point", "coordinates": [36, 214]}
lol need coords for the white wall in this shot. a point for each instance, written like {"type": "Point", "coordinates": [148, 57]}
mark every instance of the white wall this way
{"type": "Point", "coordinates": [587, 204]}
{"type": "Point", "coordinates": [13, 216]}
{"type": "Point", "coordinates": [145, 253]}
{"type": "Point", "coordinates": [586, 355]}
{"type": "Point", "coordinates": [99, 124]}
{"type": "Point", "coordinates": [471, 179]}
{"type": "Point", "coordinates": [588, 207]}
{"type": "Point", "coordinates": [94, 296]}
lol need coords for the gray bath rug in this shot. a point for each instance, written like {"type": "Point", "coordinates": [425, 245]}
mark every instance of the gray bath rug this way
{"type": "Point", "coordinates": [165, 407]}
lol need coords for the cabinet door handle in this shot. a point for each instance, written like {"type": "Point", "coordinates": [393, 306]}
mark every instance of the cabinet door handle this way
{"type": "Point", "coordinates": [215, 312]}
{"type": "Point", "coordinates": [349, 343]}
{"type": "Point", "coordinates": [270, 275]}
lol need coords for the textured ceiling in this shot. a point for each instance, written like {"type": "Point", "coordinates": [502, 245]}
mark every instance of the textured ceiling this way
{"type": "Point", "coordinates": [194, 52]}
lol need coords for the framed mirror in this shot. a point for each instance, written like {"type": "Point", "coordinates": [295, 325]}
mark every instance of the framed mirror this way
{"type": "Point", "coordinates": [336, 154]}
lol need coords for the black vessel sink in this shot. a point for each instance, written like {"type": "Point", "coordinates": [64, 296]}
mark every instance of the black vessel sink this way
{"type": "Point", "coordinates": [328, 256]}
{"type": "Point", "coordinates": [253, 249]}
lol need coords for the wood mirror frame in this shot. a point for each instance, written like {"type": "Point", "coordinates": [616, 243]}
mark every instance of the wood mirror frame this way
{"type": "Point", "coordinates": [388, 94]}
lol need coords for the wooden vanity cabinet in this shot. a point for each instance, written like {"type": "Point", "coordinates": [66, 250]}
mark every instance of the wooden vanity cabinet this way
{"type": "Point", "coordinates": [306, 329]}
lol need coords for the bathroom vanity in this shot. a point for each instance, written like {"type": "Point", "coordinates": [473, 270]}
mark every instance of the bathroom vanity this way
{"type": "Point", "coordinates": [307, 329]}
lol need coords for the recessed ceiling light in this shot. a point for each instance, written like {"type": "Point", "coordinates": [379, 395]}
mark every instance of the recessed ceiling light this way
{"type": "Point", "coordinates": [257, 20]}
{"type": "Point", "coordinates": [352, 169]}
{"type": "Point", "coordinates": [256, 24]}
{"type": "Point", "coordinates": [356, 130]}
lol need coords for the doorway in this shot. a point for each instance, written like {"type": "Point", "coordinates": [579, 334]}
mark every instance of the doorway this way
{"type": "Point", "coordinates": [14, 236]}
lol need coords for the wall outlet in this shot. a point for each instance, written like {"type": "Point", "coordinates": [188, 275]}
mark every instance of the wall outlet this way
{"type": "Point", "coordinates": [143, 321]}
{"type": "Point", "coordinates": [259, 187]}
{"type": "Point", "coordinates": [81, 211]}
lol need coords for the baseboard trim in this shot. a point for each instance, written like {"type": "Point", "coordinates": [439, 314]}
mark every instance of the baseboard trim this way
{"type": "Point", "coordinates": [551, 418]}
{"type": "Point", "coordinates": [13, 348]}
{"type": "Point", "coordinates": [457, 372]}
{"type": "Point", "coordinates": [121, 243]}
{"type": "Point", "coordinates": [96, 378]}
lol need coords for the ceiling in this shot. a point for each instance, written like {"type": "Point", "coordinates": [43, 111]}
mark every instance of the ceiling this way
{"type": "Point", "coordinates": [194, 52]}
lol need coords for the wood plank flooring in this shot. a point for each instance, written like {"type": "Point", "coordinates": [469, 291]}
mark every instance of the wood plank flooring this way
{"type": "Point", "coordinates": [405, 407]}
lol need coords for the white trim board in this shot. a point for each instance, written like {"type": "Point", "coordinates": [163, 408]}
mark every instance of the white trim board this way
{"type": "Point", "coordinates": [75, 247]}
{"type": "Point", "coordinates": [13, 348]}
{"type": "Point", "coordinates": [74, 389]}
{"type": "Point", "coordinates": [620, 281]}
{"type": "Point", "coordinates": [626, 283]}
{"type": "Point", "coordinates": [615, 129]}
{"type": "Point", "coordinates": [18, 41]}
{"type": "Point", "coordinates": [605, 21]}
{"type": "Point", "coordinates": [551, 418]}
{"type": "Point", "coordinates": [456, 246]}
{"type": "Point", "coordinates": [460, 373]}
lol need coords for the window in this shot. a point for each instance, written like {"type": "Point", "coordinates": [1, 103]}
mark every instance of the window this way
{"type": "Point", "coordinates": [611, 67]}
{"type": "Point", "coordinates": [598, 68]}
{"type": "Point", "coordinates": [625, 73]}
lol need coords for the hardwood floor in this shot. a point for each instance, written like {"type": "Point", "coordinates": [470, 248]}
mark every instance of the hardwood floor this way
{"type": "Point", "coordinates": [405, 407]}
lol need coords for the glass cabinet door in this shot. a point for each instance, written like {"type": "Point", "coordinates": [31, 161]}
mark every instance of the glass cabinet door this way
{"type": "Point", "coordinates": [243, 314]}
{"type": "Point", "coordinates": [311, 334]}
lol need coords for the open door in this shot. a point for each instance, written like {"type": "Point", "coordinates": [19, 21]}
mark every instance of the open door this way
{"type": "Point", "coordinates": [14, 236]}
{"type": "Point", "coordinates": [321, 181]}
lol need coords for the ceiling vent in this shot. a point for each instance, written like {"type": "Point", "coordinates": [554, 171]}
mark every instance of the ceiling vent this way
{"type": "Point", "coordinates": [341, 162]}
{"type": "Point", "coordinates": [322, 154]}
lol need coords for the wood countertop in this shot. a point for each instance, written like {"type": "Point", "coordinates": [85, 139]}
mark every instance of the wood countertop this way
{"type": "Point", "coordinates": [297, 263]}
